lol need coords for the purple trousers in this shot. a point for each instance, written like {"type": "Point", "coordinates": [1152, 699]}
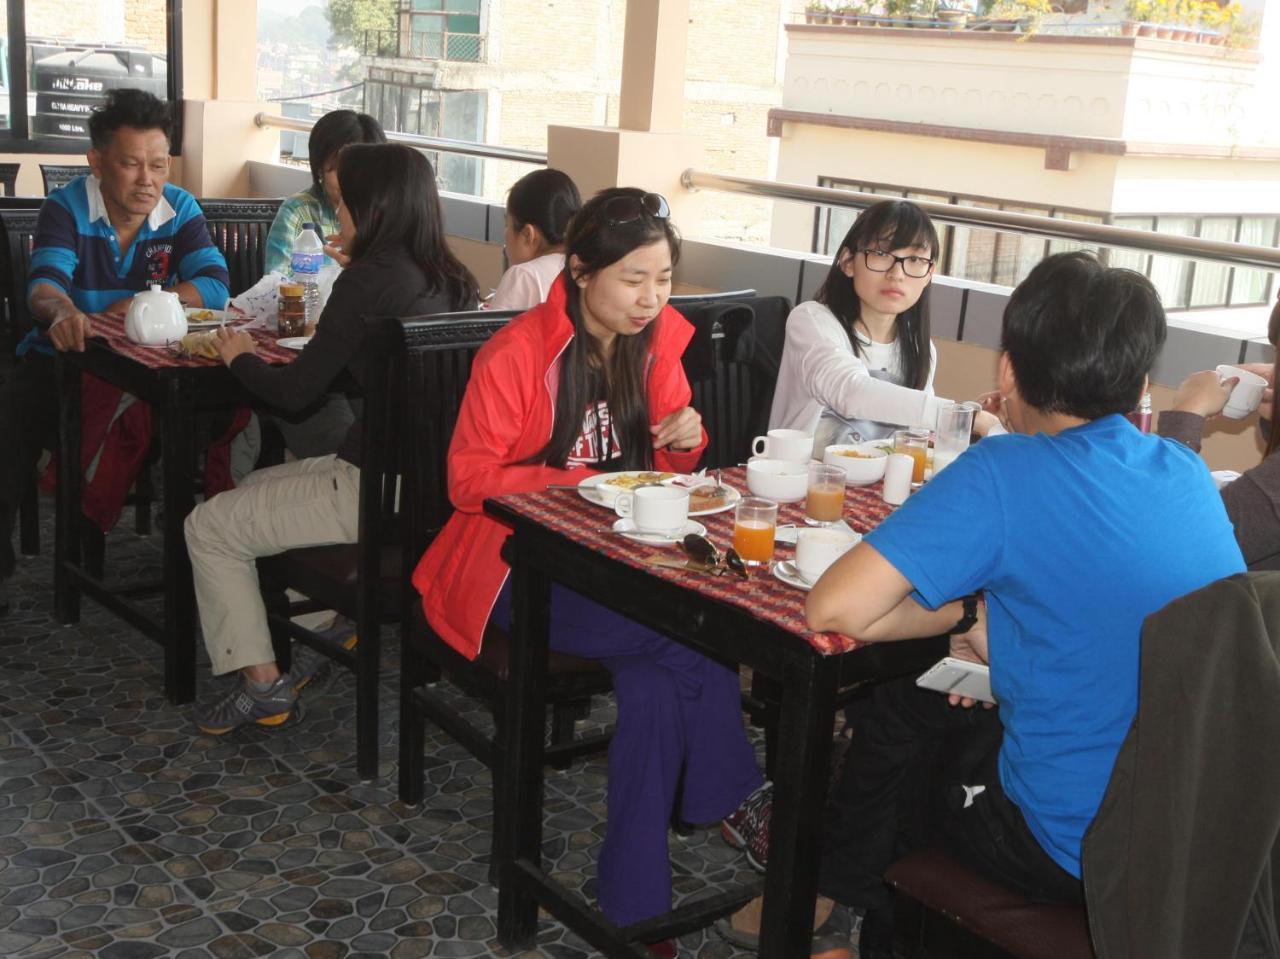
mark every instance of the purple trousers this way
{"type": "Point", "coordinates": [677, 711]}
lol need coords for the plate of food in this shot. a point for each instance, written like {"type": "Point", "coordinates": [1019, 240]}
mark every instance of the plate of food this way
{"type": "Point", "coordinates": [202, 344]}
{"type": "Point", "coordinates": [199, 318]}
{"type": "Point", "coordinates": [704, 497]}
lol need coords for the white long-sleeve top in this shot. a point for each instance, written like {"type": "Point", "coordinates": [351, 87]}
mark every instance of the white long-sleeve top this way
{"type": "Point", "coordinates": [525, 285]}
{"type": "Point", "coordinates": [827, 389]}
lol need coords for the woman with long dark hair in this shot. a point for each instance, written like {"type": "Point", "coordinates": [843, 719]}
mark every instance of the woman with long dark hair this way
{"type": "Point", "coordinates": [857, 362]}
{"type": "Point", "coordinates": [400, 266]}
{"type": "Point", "coordinates": [1252, 500]}
{"type": "Point", "coordinates": [539, 208]}
{"type": "Point", "coordinates": [591, 380]}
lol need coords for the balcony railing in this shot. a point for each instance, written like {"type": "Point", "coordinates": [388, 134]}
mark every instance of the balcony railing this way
{"type": "Point", "coordinates": [424, 45]}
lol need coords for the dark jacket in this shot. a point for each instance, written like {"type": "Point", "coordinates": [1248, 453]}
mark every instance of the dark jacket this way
{"type": "Point", "coordinates": [1181, 860]}
{"type": "Point", "coordinates": [382, 284]}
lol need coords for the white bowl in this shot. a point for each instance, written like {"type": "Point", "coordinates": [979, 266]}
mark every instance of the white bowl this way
{"type": "Point", "coordinates": [858, 470]}
{"type": "Point", "coordinates": [780, 480]}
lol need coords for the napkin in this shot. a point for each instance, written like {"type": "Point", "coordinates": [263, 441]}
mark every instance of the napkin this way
{"type": "Point", "coordinates": [260, 301]}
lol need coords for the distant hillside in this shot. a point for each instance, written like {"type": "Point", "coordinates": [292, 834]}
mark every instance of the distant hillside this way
{"type": "Point", "coordinates": [278, 23]}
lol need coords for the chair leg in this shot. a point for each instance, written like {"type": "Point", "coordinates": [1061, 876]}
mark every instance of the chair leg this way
{"type": "Point", "coordinates": [368, 661]}
{"type": "Point", "coordinates": [29, 523]}
{"type": "Point", "coordinates": [94, 543]}
{"type": "Point", "coordinates": [277, 604]}
{"type": "Point", "coordinates": [412, 725]}
{"type": "Point", "coordinates": [500, 796]}
{"type": "Point", "coordinates": [562, 719]}
{"type": "Point", "coordinates": [767, 691]}
{"type": "Point", "coordinates": [144, 494]}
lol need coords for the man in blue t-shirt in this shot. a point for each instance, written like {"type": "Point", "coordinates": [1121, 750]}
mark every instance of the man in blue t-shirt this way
{"type": "Point", "coordinates": [1075, 527]}
{"type": "Point", "coordinates": [99, 240]}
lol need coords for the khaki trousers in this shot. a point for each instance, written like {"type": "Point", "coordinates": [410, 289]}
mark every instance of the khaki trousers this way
{"type": "Point", "coordinates": [311, 502]}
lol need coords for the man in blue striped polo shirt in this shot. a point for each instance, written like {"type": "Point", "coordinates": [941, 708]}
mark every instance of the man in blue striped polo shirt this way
{"type": "Point", "coordinates": [99, 240]}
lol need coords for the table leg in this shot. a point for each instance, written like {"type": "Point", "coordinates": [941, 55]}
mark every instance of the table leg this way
{"type": "Point", "coordinates": [799, 797]}
{"type": "Point", "coordinates": [517, 832]}
{"type": "Point", "coordinates": [178, 459]}
{"type": "Point", "coordinates": [66, 546]}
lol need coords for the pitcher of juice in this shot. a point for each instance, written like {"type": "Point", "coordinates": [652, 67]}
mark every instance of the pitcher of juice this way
{"type": "Point", "coordinates": [754, 524]}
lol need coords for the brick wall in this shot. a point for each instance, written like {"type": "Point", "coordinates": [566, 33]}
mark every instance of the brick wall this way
{"type": "Point", "coordinates": [135, 22]}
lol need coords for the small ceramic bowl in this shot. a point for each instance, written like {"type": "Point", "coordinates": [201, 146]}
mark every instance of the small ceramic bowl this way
{"type": "Point", "coordinates": [779, 480]}
{"type": "Point", "coordinates": [867, 466]}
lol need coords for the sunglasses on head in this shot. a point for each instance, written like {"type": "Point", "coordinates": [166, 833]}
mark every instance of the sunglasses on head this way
{"type": "Point", "coordinates": [629, 208]}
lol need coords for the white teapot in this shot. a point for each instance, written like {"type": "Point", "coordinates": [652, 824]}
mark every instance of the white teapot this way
{"type": "Point", "coordinates": [155, 318]}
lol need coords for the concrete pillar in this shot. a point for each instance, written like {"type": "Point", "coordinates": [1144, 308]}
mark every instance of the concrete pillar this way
{"type": "Point", "coordinates": [650, 150]}
{"type": "Point", "coordinates": [220, 87]}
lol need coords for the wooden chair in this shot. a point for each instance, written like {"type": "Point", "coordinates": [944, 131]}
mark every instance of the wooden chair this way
{"type": "Point", "coordinates": [9, 177]}
{"type": "Point", "coordinates": [57, 175]}
{"type": "Point", "coordinates": [239, 228]}
{"type": "Point", "coordinates": [363, 580]}
{"type": "Point", "coordinates": [438, 363]}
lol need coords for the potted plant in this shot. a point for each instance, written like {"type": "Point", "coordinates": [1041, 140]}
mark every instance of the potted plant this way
{"type": "Point", "coordinates": [1009, 15]}
{"type": "Point", "coordinates": [922, 14]}
{"type": "Point", "coordinates": [896, 13]}
{"type": "Point", "coordinates": [951, 18]}
{"type": "Point", "coordinates": [817, 12]}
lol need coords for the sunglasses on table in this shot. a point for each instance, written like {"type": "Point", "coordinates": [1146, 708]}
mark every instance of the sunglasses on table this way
{"type": "Point", "coordinates": [628, 209]}
{"type": "Point", "coordinates": [702, 550]}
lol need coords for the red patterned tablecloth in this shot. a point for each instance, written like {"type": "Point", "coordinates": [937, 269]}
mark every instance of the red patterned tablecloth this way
{"type": "Point", "coordinates": [765, 596]}
{"type": "Point", "coordinates": [111, 330]}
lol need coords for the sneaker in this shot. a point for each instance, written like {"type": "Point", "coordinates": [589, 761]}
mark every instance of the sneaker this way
{"type": "Point", "coordinates": [243, 705]}
{"type": "Point", "coordinates": [309, 663]}
{"type": "Point", "coordinates": [747, 827]}
{"type": "Point", "coordinates": [834, 939]}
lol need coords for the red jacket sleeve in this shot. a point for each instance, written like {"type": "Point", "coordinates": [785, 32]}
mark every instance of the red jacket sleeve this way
{"type": "Point", "coordinates": [668, 392]}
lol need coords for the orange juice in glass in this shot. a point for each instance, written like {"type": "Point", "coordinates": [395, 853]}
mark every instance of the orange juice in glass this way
{"type": "Point", "coordinates": [753, 527]}
{"type": "Point", "coordinates": [914, 443]}
{"type": "Point", "coordinates": [824, 503]}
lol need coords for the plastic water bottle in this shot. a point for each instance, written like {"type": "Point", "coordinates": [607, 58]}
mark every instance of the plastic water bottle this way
{"type": "Point", "coordinates": [305, 263]}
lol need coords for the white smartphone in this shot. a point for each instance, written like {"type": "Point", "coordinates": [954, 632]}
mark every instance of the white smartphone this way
{"type": "Point", "coordinates": [951, 675]}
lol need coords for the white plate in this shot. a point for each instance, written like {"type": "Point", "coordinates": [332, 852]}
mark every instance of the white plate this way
{"type": "Point", "coordinates": [293, 342]}
{"type": "Point", "coordinates": [729, 503]}
{"type": "Point", "coordinates": [785, 570]}
{"type": "Point", "coordinates": [628, 529]}
{"type": "Point", "coordinates": [588, 491]}
{"type": "Point", "coordinates": [198, 318]}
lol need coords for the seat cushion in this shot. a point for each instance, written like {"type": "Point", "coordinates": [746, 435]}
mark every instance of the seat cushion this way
{"type": "Point", "coordinates": [1026, 929]}
{"type": "Point", "coordinates": [329, 574]}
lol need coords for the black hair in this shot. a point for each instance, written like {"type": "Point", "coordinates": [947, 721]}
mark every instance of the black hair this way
{"type": "Point", "coordinates": [332, 132]}
{"type": "Point", "coordinates": [390, 192]}
{"type": "Point", "coordinates": [893, 224]}
{"type": "Point", "coordinates": [596, 240]}
{"type": "Point", "coordinates": [546, 199]}
{"type": "Point", "coordinates": [1081, 336]}
{"type": "Point", "coordinates": [127, 107]}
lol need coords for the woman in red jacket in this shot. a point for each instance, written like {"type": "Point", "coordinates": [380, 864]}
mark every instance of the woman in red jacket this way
{"type": "Point", "coordinates": [591, 380]}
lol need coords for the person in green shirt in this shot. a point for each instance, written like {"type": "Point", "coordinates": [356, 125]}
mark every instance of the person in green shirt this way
{"type": "Point", "coordinates": [318, 203]}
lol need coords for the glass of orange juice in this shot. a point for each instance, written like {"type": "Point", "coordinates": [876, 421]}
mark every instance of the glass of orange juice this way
{"type": "Point", "coordinates": [914, 443]}
{"type": "Point", "coordinates": [824, 504]}
{"type": "Point", "coordinates": [754, 523]}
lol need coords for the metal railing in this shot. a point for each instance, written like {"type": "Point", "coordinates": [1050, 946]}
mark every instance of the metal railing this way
{"type": "Point", "coordinates": [1217, 251]}
{"type": "Point", "coordinates": [424, 45]}
{"type": "Point", "coordinates": [442, 144]}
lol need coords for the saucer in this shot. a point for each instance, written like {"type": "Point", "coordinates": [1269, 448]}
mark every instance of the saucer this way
{"type": "Point", "coordinates": [628, 529]}
{"type": "Point", "coordinates": [293, 342]}
{"type": "Point", "coordinates": [786, 571]}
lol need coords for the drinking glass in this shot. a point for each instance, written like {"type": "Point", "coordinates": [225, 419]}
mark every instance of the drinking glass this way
{"type": "Point", "coordinates": [955, 427]}
{"type": "Point", "coordinates": [824, 504]}
{"type": "Point", "coordinates": [754, 523]}
{"type": "Point", "coordinates": [914, 443]}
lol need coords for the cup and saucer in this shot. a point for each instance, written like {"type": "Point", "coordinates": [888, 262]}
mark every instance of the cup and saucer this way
{"type": "Point", "coordinates": [786, 571]}
{"type": "Point", "coordinates": [816, 550]}
{"type": "Point", "coordinates": [656, 515]}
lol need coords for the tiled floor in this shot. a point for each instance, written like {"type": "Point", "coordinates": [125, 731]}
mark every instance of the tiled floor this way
{"type": "Point", "coordinates": [125, 835]}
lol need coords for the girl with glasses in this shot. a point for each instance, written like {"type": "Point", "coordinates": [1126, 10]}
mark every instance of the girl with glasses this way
{"type": "Point", "coordinates": [590, 381]}
{"type": "Point", "coordinates": [539, 208]}
{"type": "Point", "coordinates": [857, 362]}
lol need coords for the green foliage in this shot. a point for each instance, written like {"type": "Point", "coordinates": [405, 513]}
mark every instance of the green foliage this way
{"type": "Point", "coordinates": [350, 18]}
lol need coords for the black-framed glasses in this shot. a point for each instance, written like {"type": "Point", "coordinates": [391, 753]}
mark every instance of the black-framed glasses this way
{"type": "Point", "coordinates": [879, 261]}
{"type": "Point", "coordinates": [629, 208]}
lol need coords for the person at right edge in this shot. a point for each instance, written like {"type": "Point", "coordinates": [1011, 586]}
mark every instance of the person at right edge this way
{"type": "Point", "coordinates": [1075, 527]}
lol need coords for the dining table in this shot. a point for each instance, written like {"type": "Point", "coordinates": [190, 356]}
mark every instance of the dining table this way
{"type": "Point", "coordinates": [558, 536]}
{"type": "Point", "coordinates": [178, 388]}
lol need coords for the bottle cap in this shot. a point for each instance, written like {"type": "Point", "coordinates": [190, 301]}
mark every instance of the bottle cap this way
{"type": "Point", "coordinates": [291, 289]}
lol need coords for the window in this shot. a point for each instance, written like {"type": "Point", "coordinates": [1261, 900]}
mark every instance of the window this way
{"type": "Point", "coordinates": [1005, 258]}
{"type": "Point", "coordinates": [444, 29]}
{"type": "Point", "coordinates": [59, 59]}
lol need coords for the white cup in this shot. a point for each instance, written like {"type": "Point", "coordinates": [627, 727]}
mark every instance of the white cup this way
{"type": "Point", "coordinates": [655, 509]}
{"type": "Point", "coordinates": [817, 549]}
{"type": "Point", "coordinates": [897, 478]}
{"type": "Point", "coordinates": [794, 446]}
{"type": "Point", "coordinates": [1246, 395]}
